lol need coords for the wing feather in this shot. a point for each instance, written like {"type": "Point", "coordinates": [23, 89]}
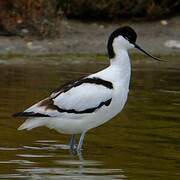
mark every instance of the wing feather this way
{"type": "Point", "coordinates": [75, 98]}
{"type": "Point", "coordinates": [83, 97]}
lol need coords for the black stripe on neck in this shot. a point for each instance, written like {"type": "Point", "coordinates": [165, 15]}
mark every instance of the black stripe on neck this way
{"type": "Point", "coordinates": [89, 110]}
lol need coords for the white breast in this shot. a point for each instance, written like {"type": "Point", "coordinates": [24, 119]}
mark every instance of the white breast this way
{"type": "Point", "coordinates": [86, 96]}
{"type": "Point", "coordinates": [119, 74]}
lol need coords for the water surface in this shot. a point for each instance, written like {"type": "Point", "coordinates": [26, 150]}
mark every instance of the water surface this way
{"type": "Point", "coordinates": [140, 143]}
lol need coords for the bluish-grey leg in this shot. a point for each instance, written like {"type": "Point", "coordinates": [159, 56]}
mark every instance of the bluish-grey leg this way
{"type": "Point", "coordinates": [79, 148]}
{"type": "Point", "coordinates": [73, 142]}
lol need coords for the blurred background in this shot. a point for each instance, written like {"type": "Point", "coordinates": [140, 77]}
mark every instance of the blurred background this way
{"type": "Point", "coordinates": [65, 26]}
{"type": "Point", "coordinates": [43, 17]}
{"type": "Point", "coordinates": [46, 43]}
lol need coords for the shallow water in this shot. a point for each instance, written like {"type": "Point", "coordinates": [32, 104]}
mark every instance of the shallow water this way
{"type": "Point", "coordinates": [140, 143]}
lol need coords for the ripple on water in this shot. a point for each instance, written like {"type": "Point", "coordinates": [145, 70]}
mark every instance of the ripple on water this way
{"type": "Point", "coordinates": [38, 148]}
{"type": "Point", "coordinates": [77, 162]}
{"type": "Point", "coordinates": [9, 148]}
{"type": "Point", "coordinates": [12, 176]}
{"type": "Point", "coordinates": [74, 173]}
{"type": "Point", "coordinates": [21, 162]}
{"type": "Point", "coordinates": [36, 155]}
{"type": "Point", "coordinates": [46, 141]}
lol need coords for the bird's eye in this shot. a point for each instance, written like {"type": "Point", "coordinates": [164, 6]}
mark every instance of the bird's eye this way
{"type": "Point", "coordinates": [126, 37]}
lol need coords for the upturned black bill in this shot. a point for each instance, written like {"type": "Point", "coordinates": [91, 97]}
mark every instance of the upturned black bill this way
{"type": "Point", "coordinates": [138, 47]}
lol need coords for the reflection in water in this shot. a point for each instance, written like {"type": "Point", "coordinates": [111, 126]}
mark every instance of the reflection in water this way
{"type": "Point", "coordinates": [72, 169]}
{"type": "Point", "coordinates": [71, 173]}
{"type": "Point", "coordinates": [67, 166]}
{"type": "Point", "coordinates": [141, 143]}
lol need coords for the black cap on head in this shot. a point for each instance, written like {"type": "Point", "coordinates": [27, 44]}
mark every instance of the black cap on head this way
{"type": "Point", "coordinates": [127, 32]}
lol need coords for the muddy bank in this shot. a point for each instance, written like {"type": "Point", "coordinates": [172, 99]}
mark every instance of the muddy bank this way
{"type": "Point", "coordinates": [78, 37]}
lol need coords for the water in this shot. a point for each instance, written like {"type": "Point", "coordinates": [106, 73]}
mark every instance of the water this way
{"type": "Point", "coordinates": [140, 143]}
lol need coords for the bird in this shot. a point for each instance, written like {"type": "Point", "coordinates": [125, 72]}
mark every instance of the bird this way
{"type": "Point", "coordinates": [91, 101]}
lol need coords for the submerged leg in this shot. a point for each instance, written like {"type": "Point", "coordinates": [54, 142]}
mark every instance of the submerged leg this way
{"type": "Point", "coordinates": [73, 142]}
{"type": "Point", "coordinates": [79, 148]}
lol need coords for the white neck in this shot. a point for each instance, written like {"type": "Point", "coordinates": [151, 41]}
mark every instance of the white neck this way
{"type": "Point", "coordinates": [121, 64]}
{"type": "Point", "coordinates": [121, 58]}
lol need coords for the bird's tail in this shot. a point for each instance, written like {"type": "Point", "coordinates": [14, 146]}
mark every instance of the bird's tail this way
{"type": "Point", "coordinates": [32, 123]}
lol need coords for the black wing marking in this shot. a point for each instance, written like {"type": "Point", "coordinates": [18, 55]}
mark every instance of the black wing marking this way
{"type": "Point", "coordinates": [42, 108]}
{"type": "Point", "coordinates": [94, 80]}
{"type": "Point", "coordinates": [29, 114]}
{"type": "Point", "coordinates": [89, 110]}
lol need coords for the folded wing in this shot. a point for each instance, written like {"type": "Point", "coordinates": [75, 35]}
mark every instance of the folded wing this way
{"type": "Point", "coordinates": [79, 98]}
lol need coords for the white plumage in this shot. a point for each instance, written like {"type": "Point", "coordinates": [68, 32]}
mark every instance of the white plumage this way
{"type": "Point", "coordinates": [83, 97]}
{"type": "Point", "coordinates": [91, 101]}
